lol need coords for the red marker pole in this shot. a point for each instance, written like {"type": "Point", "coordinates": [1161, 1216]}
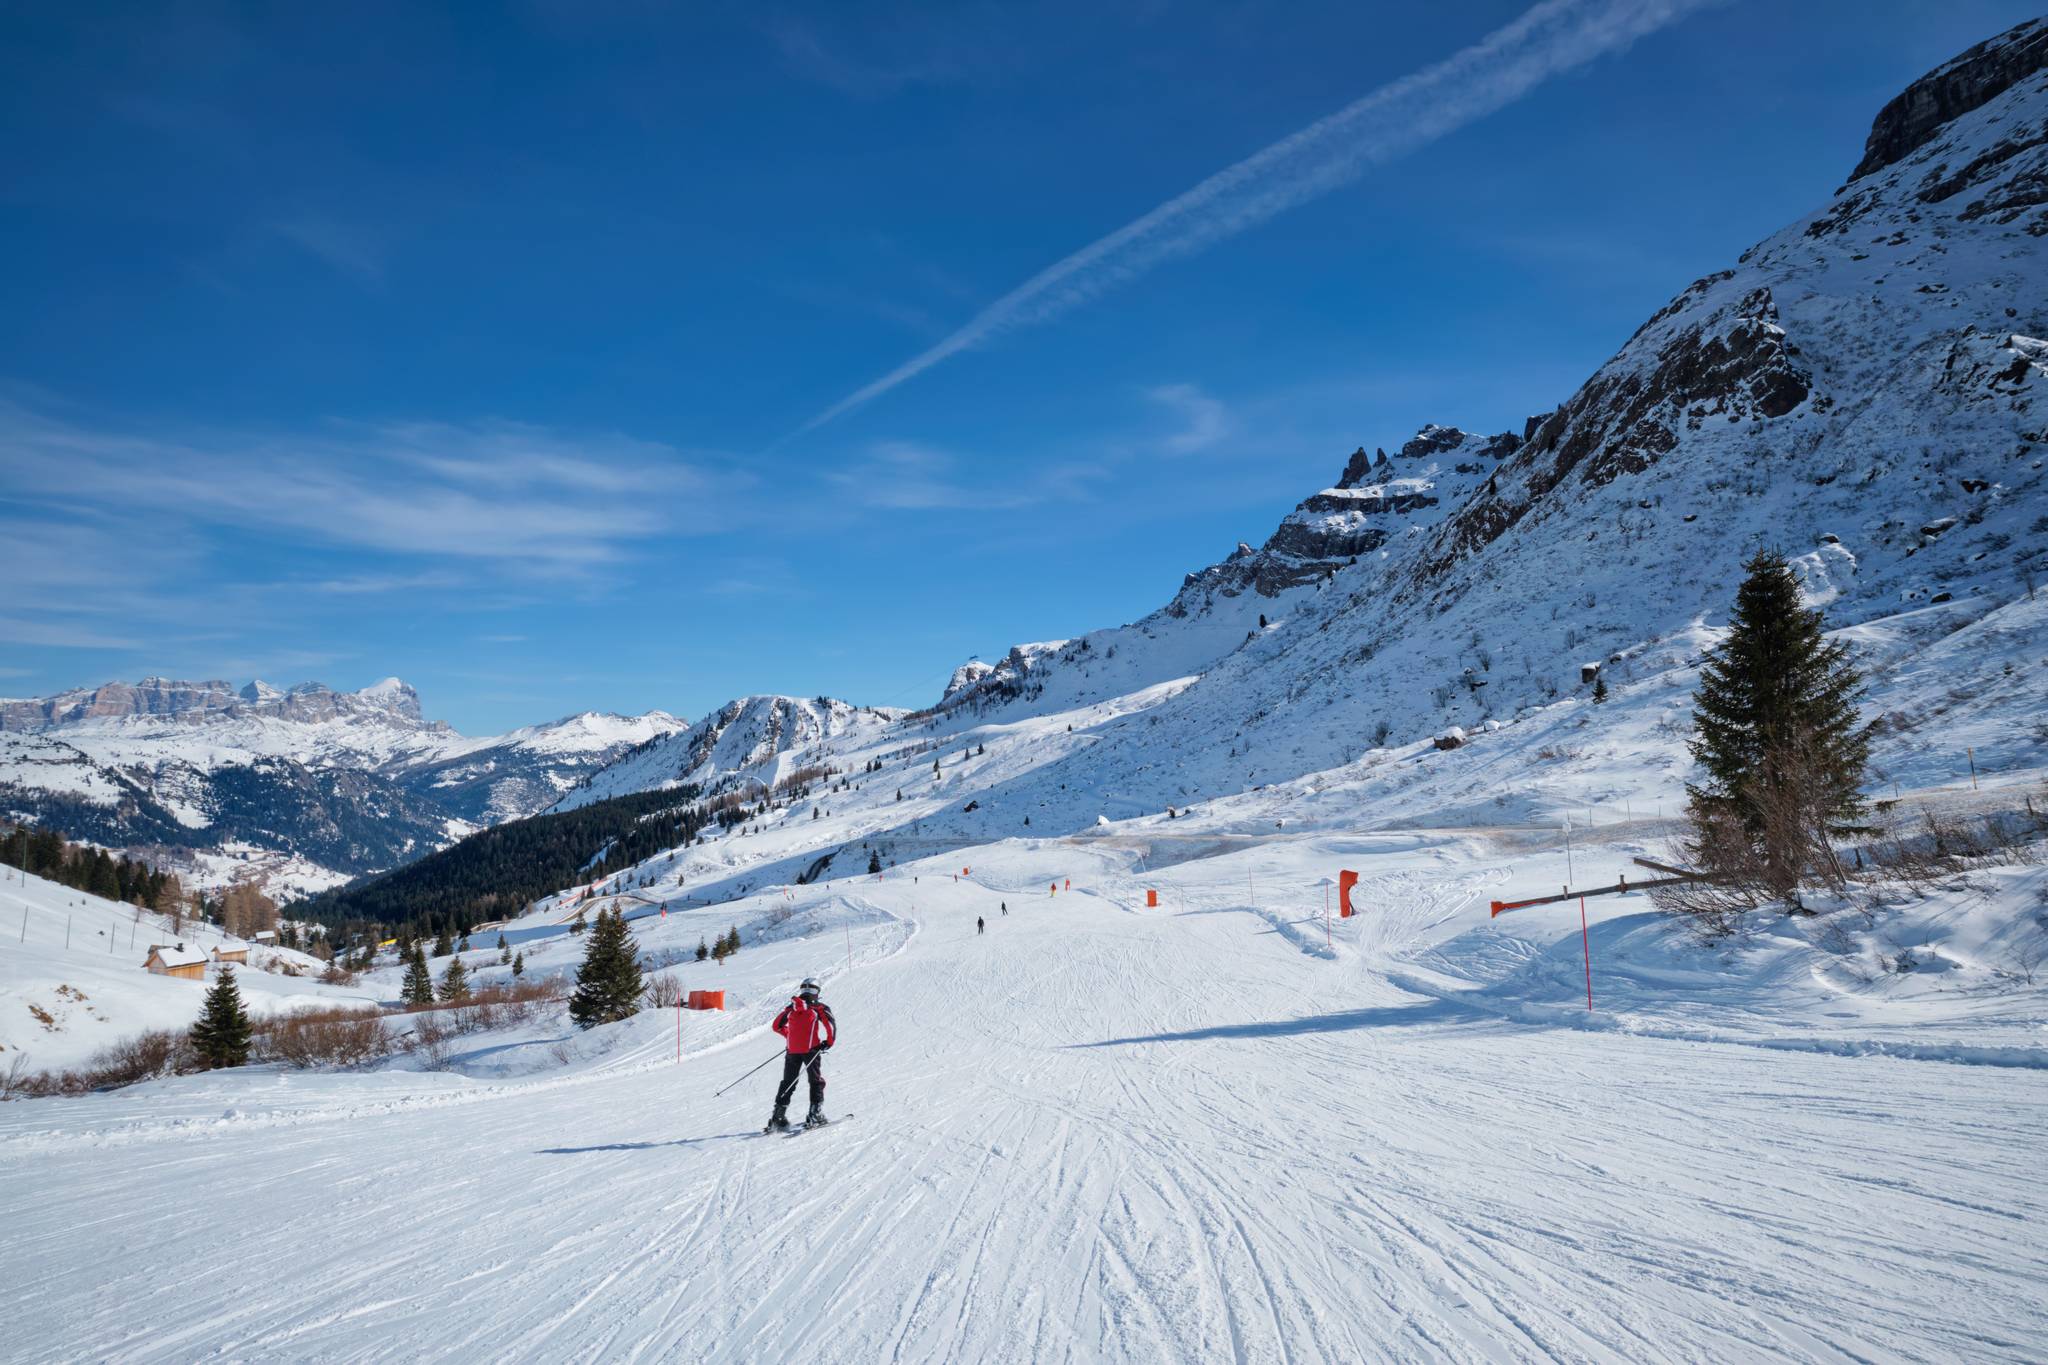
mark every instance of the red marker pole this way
{"type": "Point", "coordinates": [679, 1033]}
{"type": "Point", "coordinates": [1586, 944]}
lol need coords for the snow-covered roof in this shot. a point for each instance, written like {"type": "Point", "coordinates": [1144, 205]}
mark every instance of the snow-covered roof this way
{"type": "Point", "coordinates": [177, 955]}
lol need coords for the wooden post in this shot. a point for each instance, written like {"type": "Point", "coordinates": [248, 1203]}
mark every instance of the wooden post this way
{"type": "Point", "coordinates": [1973, 767]}
{"type": "Point", "coordinates": [1586, 944]}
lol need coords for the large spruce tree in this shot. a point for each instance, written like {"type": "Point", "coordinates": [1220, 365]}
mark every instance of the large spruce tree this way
{"type": "Point", "coordinates": [419, 979]}
{"type": "Point", "coordinates": [1780, 748]}
{"type": "Point", "coordinates": [222, 1034]}
{"type": "Point", "coordinates": [455, 982]}
{"type": "Point", "coordinates": [608, 983]}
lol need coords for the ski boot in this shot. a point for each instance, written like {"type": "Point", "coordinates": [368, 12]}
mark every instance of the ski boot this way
{"type": "Point", "coordinates": [816, 1118]}
{"type": "Point", "coordinates": [778, 1122]}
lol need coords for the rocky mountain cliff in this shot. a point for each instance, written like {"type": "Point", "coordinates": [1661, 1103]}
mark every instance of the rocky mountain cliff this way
{"type": "Point", "coordinates": [306, 784]}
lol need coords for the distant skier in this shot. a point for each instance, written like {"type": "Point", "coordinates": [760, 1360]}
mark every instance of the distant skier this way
{"type": "Point", "coordinates": [980, 925]}
{"type": "Point", "coordinates": [806, 1023]}
{"type": "Point", "coordinates": [1006, 907]}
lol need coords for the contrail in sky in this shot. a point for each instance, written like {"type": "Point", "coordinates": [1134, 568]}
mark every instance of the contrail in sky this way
{"type": "Point", "coordinates": [1553, 37]}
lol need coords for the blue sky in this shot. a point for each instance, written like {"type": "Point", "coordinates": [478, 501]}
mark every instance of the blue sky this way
{"type": "Point", "coordinates": [509, 349]}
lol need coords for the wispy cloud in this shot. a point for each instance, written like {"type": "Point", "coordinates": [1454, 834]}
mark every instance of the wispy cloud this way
{"type": "Point", "coordinates": [16, 630]}
{"type": "Point", "coordinates": [1203, 420]}
{"type": "Point", "coordinates": [360, 585]}
{"type": "Point", "coordinates": [899, 56]}
{"type": "Point", "coordinates": [1551, 38]}
{"type": "Point", "coordinates": [908, 476]}
{"type": "Point", "coordinates": [346, 247]}
{"type": "Point", "coordinates": [532, 501]}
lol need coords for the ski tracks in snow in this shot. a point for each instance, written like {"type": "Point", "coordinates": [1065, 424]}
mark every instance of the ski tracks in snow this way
{"type": "Point", "coordinates": [1093, 1133]}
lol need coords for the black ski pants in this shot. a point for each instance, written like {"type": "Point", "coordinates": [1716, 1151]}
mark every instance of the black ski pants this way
{"type": "Point", "coordinates": [793, 1064]}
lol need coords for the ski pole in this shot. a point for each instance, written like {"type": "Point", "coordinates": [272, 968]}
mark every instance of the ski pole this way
{"type": "Point", "coordinates": [716, 1093]}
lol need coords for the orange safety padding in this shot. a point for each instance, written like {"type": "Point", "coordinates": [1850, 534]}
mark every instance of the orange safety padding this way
{"type": "Point", "coordinates": [713, 1000]}
{"type": "Point", "coordinates": [1151, 899]}
{"type": "Point", "coordinates": [1345, 881]}
{"type": "Point", "coordinates": [694, 1001]}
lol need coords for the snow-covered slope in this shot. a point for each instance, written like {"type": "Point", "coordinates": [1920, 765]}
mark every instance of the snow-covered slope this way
{"type": "Point", "coordinates": [1098, 1131]}
{"type": "Point", "coordinates": [309, 784]}
{"type": "Point", "coordinates": [72, 979]}
{"type": "Point", "coordinates": [755, 741]}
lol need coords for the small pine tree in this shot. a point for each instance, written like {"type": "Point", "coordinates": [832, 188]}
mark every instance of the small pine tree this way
{"type": "Point", "coordinates": [732, 940]}
{"type": "Point", "coordinates": [518, 964]}
{"type": "Point", "coordinates": [703, 950]}
{"type": "Point", "coordinates": [222, 1034]}
{"type": "Point", "coordinates": [608, 984]}
{"type": "Point", "coordinates": [1599, 689]}
{"type": "Point", "coordinates": [875, 862]}
{"type": "Point", "coordinates": [504, 951]}
{"type": "Point", "coordinates": [455, 982]}
{"type": "Point", "coordinates": [581, 924]}
{"type": "Point", "coordinates": [419, 980]}
{"type": "Point", "coordinates": [465, 941]}
{"type": "Point", "coordinates": [1776, 735]}
{"type": "Point", "coordinates": [443, 945]}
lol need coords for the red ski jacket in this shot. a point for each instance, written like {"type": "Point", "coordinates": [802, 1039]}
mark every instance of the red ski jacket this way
{"type": "Point", "coordinates": [807, 1026]}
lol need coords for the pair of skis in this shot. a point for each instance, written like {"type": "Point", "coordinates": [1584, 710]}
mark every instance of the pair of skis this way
{"type": "Point", "coordinates": [799, 1129]}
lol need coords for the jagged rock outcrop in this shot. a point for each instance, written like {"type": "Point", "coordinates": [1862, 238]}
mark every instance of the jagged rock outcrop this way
{"type": "Point", "coordinates": [1956, 87]}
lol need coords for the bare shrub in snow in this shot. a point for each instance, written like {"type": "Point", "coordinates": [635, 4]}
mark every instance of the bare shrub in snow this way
{"type": "Point", "coordinates": [337, 1037]}
{"type": "Point", "coordinates": [664, 993]}
{"type": "Point", "coordinates": [433, 1040]}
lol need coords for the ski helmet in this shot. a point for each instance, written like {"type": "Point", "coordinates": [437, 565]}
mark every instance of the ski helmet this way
{"type": "Point", "coordinates": [809, 987]}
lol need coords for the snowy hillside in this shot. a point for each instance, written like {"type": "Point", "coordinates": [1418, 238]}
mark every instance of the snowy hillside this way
{"type": "Point", "coordinates": [1219, 1128]}
{"type": "Point", "coordinates": [759, 739]}
{"type": "Point", "coordinates": [306, 786]}
{"type": "Point", "coordinates": [1863, 391]}
{"type": "Point", "coordinates": [72, 977]}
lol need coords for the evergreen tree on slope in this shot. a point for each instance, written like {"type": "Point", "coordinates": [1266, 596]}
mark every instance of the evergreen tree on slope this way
{"type": "Point", "coordinates": [222, 1034]}
{"type": "Point", "coordinates": [455, 982]}
{"type": "Point", "coordinates": [1776, 736]}
{"type": "Point", "coordinates": [608, 983]}
{"type": "Point", "coordinates": [419, 980]}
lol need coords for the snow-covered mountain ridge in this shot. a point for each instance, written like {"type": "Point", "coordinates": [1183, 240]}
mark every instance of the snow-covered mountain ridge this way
{"type": "Point", "coordinates": [307, 785]}
{"type": "Point", "coordinates": [1861, 390]}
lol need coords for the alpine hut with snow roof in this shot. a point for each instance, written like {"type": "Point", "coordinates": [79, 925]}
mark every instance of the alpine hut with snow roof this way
{"type": "Point", "coordinates": [176, 960]}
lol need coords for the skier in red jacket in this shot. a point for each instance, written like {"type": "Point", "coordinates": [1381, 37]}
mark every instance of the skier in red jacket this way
{"type": "Point", "coordinates": [806, 1022]}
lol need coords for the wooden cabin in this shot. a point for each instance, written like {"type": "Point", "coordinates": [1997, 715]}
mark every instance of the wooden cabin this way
{"type": "Point", "coordinates": [176, 960]}
{"type": "Point", "coordinates": [227, 954]}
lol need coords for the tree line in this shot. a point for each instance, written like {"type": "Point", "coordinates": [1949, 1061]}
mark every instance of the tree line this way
{"type": "Point", "coordinates": [47, 854]}
{"type": "Point", "coordinates": [499, 871]}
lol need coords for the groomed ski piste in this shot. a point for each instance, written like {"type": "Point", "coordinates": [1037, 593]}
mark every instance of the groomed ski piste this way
{"type": "Point", "coordinates": [1223, 1127]}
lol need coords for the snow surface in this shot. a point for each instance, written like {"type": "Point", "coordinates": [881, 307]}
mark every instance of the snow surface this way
{"type": "Point", "coordinates": [1095, 1132]}
{"type": "Point", "coordinates": [61, 1004]}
